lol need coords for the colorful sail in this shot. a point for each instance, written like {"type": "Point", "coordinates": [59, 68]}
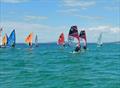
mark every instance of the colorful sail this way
{"type": "Point", "coordinates": [29, 39]}
{"type": "Point", "coordinates": [83, 37]}
{"type": "Point", "coordinates": [36, 40]}
{"type": "Point", "coordinates": [61, 40]}
{"type": "Point", "coordinates": [73, 33]}
{"type": "Point", "coordinates": [12, 39]}
{"type": "Point", "coordinates": [5, 40]}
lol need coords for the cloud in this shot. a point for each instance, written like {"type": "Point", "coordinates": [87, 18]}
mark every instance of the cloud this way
{"type": "Point", "coordinates": [112, 8]}
{"type": "Point", "coordinates": [89, 17]}
{"type": "Point", "coordinates": [72, 10]}
{"type": "Point", "coordinates": [78, 3]}
{"type": "Point", "coordinates": [105, 28]}
{"type": "Point", "coordinates": [14, 1]}
{"type": "Point", "coordinates": [110, 33]}
{"type": "Point", "coordinates": [28, 18]}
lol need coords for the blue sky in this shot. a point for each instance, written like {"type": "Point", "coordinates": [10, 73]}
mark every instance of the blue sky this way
{"type": "Point", "coordinates": [48, 18]}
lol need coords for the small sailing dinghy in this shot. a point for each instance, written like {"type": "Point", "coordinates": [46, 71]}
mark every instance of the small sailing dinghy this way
{"type": "Point", "coordinates": [99, 41]}
{"type": "Point", "coordinates": [83, 38]}
{"type": "Point", "coordinates": [73, 34]}
{"type": "Point", "coordinates": [61, 40]}
{"type": "Point", "coordinates": [28, 39]}
{"type": "Point", "coordinates": [12, 39]}
{"type": "Point", "coordinates": [5, 41]}
{"type": "Point", "coordinates": [36, 41]}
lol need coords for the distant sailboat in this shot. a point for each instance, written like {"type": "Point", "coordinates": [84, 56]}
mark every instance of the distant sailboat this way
{"type": "Point", "coordinates": [1, 37]}
{"type": "Point", "coordinates": [29, 39]}
{"type": "Point", "coordinates": [12, 39]}
{"type": "Point", "coordinates": [61, 40]}
{"type": "Point", "coordinates": [36, 41]}
{"type": "Point", "coordinates": [5, 40]}
{"type": "Point", "coordinates": [83, 38]}
{"type": "Point", "coordinates": [99, 42]}
{"type": "Point", "coordinates": [73, 34]}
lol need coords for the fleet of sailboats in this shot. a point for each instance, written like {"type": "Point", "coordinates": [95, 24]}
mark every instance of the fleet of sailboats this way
{"type": "Point", "coordinates": [72, 35]}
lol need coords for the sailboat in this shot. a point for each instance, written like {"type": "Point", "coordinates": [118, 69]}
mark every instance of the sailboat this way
{"type": "Point", "coordinates": [0, 37]}
{"type": "Point", "coordinates": [12, 39]}
{"type": "Point", "coordinates": [5, 40]}
{"type": "Point", "coordinates": [83, 38]}
{"type": "Point", "coordinates": [28, 39]}
{"type": "Point", "coordinates": [99, 42]}
{"type": "Point", "coordinates": [73, 34]}
{"type": "Point", "coordinates": [36, 41]}
{"type": "Point", "coordinates": [61, 40]}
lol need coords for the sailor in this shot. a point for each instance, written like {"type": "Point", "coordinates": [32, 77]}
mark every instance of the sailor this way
{"type": "Point", "coordinates": [77, 49]}
{"type": "Point", "coordinates": [84, 47]}
{"type": "Point", "coordinates": [13, 45]}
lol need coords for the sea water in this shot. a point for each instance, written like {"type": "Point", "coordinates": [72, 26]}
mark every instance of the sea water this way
{"type": "Point", "coordinates": [51, 66]}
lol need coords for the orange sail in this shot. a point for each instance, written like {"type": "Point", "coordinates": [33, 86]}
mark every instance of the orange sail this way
{"type": "Point", "coordinates": [61, 40]}
{"type": "Point", "coordinates": [4, 40]}
{"type": "Point", "coordinates": [29, 39]}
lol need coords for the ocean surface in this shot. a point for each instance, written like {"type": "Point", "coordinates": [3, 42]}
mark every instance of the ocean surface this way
{"type": "Point", "coordinates": [51, 66]}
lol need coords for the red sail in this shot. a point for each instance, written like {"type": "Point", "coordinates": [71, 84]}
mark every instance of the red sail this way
{"type": "Point", "coordinates": [61, 40]}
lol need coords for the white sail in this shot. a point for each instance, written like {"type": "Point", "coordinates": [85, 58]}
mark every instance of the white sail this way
{"type": "Point", "coordinates": [36, 40]}
{"type": "Point", "coordinates": [99, 42]}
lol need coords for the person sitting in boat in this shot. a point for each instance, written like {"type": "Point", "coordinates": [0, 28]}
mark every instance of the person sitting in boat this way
{"type": "Point", "coordinates": [84, 47]}
{"type": "Point", "coordinates": [77, 49]}
{"type": "Point", "coordinates": [30, 44]}
{"type": "Point", "coordinates": [13, 45]}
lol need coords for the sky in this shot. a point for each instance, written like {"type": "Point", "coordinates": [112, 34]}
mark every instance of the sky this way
{"type": "Point", "coordinates": [49, 18]}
